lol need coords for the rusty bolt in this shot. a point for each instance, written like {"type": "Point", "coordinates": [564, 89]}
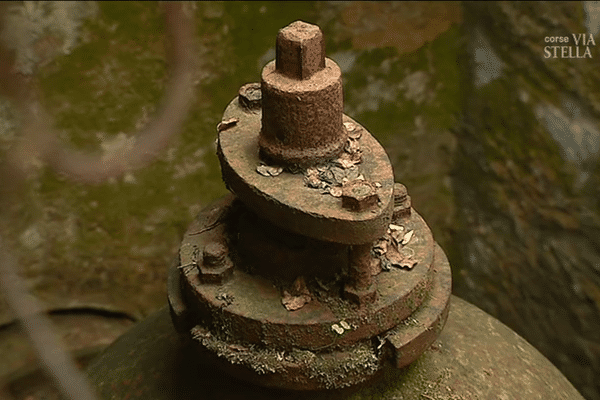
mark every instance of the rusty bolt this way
{"type": "Point", "coordinates": [250, 96]}
{"type": "Point", "coordinates": [214, 254]}
{"type": "Point", "coordinates": [216, 266]}
{"type": "Point", "coordinates": [302, 100]}
{"type": "Point", "coordinates": [402, 201]}
{"type": "Point", "coordinates": [300, 50]}
{"type": "Point", "coordinates": [360, 288]}
{"type": "Point", "coordinates": [359, 195]}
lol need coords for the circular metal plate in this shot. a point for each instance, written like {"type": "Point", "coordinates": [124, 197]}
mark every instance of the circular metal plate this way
{"type": "Point", "coordinates": [285, 200]}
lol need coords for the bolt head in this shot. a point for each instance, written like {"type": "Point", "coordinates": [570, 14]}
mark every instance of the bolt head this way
{"type": "Point", "coordinates": [214, 254]}
{"type": "Point", "coordinates": [359, 195]}
{"type": "Point", "coordinates": [400, 193]}
{"type": "Point", "coordinates": [300, 50]}
{"type": "Point", "coordinates": [361, 297]}
{"type": "Point", "coordinates": [216, 275]}
{"type": "Point", "coordinates": [216, 266]}
{"type": "Point", "coordinates": [402, 209]}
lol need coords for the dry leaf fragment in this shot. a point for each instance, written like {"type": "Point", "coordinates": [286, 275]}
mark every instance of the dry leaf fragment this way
{"type": "Point", "coordinates": [355, 135]}
{"type": "Point", "coordinates": [337, 329]}
{"type": "Point", "coordinates": [262, 169]}
{"type": "Point", "coordinates": [408, 264]}
{"type": "Point", "coordinates": [386, 265]}
{"type": "Point", "coordinates": [274, 171]}
{"type": "Point", "coordinates": [396, 237]}
{"type": "Point", "coordinates": [335, 191]}
{"type": "Point", "coordinates": [394, 227]}
{"type": "Point", "coordinates": [352, 173]}
{"type": "Point", "coordinates": [352, 146]}
{"type": "Point", "coordinates": [347, 160]}
{"type": "Point", "coordinates": [268, 170]}
{"type": "Point", "coordinates": [407, 237]}
{"type": "Point", "coordinates": [312, 179]}
{"type": "Point", "coordinates": [226, 124]}
{"type": "Point", "coordinates": [338, 175]}
{"type": "Point", "coordinates": [381, 247]}
{"type": "Point", "coordinates": [297, 296]}
{"type": "Point", "coordinates": [394, 256]}
{"type": "Point", "coordinates": [349, 126]}
{"type": "Point", "coordinates": [293, 303]}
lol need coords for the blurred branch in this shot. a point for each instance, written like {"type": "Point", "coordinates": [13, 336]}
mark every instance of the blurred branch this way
{"type": "Point", "coordinates": [38, 327]}
{"type": "Point", "coordinates": [39, 140]}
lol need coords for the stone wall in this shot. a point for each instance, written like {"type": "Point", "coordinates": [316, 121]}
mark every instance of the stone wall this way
{"type": "Point", "coordinates": [527, 178]}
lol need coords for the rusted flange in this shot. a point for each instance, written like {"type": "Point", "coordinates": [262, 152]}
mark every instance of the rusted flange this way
{"type": "Point", "coordinates": [244, 322]}
{"type": "Point", "coordinates": [287, 202]}
{"type": "Point", "coordinates": [301, 125]}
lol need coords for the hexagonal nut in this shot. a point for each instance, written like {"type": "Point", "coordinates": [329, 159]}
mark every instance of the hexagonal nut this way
{"type": "Point", "coordinates": [214, 254]}
{"type": "Point", "coordinates": [250, 96]}
{"type": "Point", "coordinates": [216, 275]}
{"type": "Point", "coordinates": [400, 193]}
{"type": "Point", "coordinates": [216, 266]}
{"type": "Point", "coordinates": [359, 195]}
{"type": "Point", "coordinates": [360, 296]}
{"type": "Point", "coordinates": [402, 210]}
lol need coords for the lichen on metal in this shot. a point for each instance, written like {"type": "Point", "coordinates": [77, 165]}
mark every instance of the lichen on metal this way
{"type": "Point", "coordinates": [306, 275]}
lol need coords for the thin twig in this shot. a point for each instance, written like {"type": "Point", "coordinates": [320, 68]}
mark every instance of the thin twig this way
{"type": "Point", "coordinates": [40, 139]}
{"type": "Point", "coordinates": [38, 327]}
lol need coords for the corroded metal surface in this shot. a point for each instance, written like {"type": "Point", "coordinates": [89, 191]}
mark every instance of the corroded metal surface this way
{"type": "Point", "coordinates": [287, 202]}
{"type": "Point", "coordinates": [310, 275]}
{"type": "Point", "coordinates": [245, 329]}
{"type": "Point", "coordinates": [302, 100]}
{"type": "Point", "coordinates": [475, 357]}
{"type": "Point", "coordinates": [255, 313]}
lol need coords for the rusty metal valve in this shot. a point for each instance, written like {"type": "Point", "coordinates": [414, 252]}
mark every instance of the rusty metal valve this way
{"type": "Point", "coordinates": [315, 273]}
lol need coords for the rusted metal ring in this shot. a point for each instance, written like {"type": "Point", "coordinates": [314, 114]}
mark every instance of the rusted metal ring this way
{"type": "Point", "coordinates": [254, 327]}
{"type": "Point", "coordinates": [285, 200]}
